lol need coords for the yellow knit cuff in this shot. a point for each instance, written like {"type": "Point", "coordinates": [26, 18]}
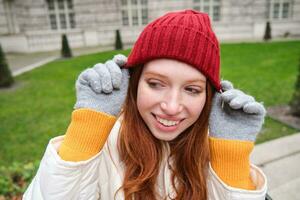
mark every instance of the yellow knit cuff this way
{"type": "Point", "coordinates": [230, 160]}
{"type": "Point", "coordinates": [86, 134]}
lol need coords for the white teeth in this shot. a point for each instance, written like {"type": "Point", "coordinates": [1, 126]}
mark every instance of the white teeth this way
{"type": "Point", "coordinates": [167, 122]}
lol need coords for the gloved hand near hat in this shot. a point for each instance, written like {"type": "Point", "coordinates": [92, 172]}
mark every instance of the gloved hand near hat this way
{"type": "Point", "coordinates": [103, 88]}
{"type": "Point", "coordinates": [235, 115]}
{"type": "Point", "coordinates": [100, 91]}
{"type": "Point", "coordinates": [235, 120]}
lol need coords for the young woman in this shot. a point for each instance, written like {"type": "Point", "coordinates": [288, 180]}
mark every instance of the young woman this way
{"type": "Point", "coordinates": [172, 130]}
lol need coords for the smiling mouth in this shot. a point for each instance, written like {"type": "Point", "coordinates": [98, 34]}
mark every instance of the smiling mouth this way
{"type": "Point", "coordinates": [165, 122]}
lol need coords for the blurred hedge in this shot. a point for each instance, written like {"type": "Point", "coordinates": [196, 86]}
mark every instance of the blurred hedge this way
{"type": "Point", "coordinates": [15, 179]}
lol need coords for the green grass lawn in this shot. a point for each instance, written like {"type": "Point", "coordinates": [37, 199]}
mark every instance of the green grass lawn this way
{"type": "Point", "coordinates": [40, 105]}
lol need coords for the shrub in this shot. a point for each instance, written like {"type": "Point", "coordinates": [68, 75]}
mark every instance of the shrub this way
{"type": "Point", "coordinates": [268, 35]}
{"type": "Point", "coordinates": [65, 49]}
{"type": "Point", "coordinates": [118, 44]}
{"type": "Point", "coordinates": [15, 179]}
{"type": "Point", "coordinates": [286, 34]}
{"type": "Point", "coordinates": [295, 102]}
{"type": "Point", "coordinates": [6, 78]}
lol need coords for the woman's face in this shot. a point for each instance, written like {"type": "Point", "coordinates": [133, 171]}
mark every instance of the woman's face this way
{"type": "Point", "coordinates": [170, 97]}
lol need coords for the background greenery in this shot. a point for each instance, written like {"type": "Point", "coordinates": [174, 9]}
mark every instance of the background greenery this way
{"type": "Point", "coordinates": [40, 105]}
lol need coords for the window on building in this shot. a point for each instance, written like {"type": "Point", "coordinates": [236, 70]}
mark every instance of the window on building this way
{"type": "Point", "coordinates": [10, 15]}
{"type": "Point", "coordinates": [279, 9]}
{"type": "Point", "coordinates": [134, 12]}
{"type": "Point", "coordinates": [211, 7]}
{"type": "Point", "coordinates": [61, 14]}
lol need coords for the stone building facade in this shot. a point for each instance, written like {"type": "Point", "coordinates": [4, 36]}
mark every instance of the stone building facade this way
{"type": "Point", "coordinates": [37, 25]}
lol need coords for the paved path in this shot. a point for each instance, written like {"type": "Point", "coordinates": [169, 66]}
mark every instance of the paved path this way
{"type": "Point", "coordinates": [280, 160]}
{"type": "Point", "coordinates": [20, 63]}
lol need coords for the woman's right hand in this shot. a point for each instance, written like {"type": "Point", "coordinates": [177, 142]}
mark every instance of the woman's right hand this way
{"type": "Point", "coordinates": [103, 87]}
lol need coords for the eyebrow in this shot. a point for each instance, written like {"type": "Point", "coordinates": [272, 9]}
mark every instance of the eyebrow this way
{"type": "Point", "coordinates": [156, 74]}
{"type": "Point", "coordinates": [165, 77]}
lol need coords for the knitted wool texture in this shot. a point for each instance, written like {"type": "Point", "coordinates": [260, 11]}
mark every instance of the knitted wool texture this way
{"type": "Point", "coordinates": [186, 36]}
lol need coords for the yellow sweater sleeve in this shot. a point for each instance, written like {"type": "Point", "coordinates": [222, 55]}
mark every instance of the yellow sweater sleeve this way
{"type": "Point", "coordinates": [230, 160]}
{"type": "Point", "coordinates": [86, 134]}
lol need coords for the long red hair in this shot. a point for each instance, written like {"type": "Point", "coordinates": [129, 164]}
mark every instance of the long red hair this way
{"type": "Point", "coordinates": [142, 153]}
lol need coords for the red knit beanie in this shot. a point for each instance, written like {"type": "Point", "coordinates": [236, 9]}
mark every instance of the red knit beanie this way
{"type": "Point", "coordinates": [186, 36]}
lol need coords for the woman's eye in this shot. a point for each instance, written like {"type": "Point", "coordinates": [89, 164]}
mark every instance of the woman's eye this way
{"type": "Point", "coordinates": [193, 90]}
{"type": "Point", "coordinates": [154, 84]}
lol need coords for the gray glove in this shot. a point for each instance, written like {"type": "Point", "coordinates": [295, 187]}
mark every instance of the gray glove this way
{"type": "Point", "coordinates": [103, 88]}
{"type": "Point", "coordinates": [235, 115]}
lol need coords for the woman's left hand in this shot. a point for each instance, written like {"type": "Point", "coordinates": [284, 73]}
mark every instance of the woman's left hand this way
{"type": "Point", "coordinates": [235, 115]}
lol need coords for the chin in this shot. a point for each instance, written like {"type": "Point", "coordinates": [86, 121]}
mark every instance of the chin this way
{"type": "Point", "coordinates": [165, 136]}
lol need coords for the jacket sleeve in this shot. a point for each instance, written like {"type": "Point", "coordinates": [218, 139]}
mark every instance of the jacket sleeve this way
{"type": "Point", "coordinates": [230, 161]}
{"type": "Point", "coordinates": [69, 168]}
{"type": "Point", "coordinates": [86, 134]}
{"type": "Point", "coordinates": [69, 180]}
{"type": "Point", "coordinates": [219, 190]}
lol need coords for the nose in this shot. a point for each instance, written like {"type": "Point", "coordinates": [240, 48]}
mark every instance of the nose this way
{"type": "Point", "coordinates": [171, 105]}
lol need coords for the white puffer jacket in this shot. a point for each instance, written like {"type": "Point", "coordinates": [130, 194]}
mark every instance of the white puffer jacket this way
{"type": "Point", "coordinates": [101, 176]}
